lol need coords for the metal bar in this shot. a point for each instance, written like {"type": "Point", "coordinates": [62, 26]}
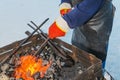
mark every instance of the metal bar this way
{"type": "Point", "coordinates": [50, 41]}
{"type": "Point", "coordinates": [41, 47]}
{"type": "Point", "coordinates": [53, 46]}
{"type": "Point", "coordinates": [60, 53]}
{"type": "Point", "coordinates": [6, 58]}
{"type": "Point", "coordinates": [104, 70]}
{"type": "Point", "coordinates": [30, 36]}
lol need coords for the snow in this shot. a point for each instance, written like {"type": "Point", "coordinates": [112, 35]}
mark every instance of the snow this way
{"type": "Point", "coordinates": [15, 14]}
{"type": "Point", "coordinates": [113, 64]}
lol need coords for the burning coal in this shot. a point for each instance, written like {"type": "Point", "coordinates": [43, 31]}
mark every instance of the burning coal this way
{"type": "Point", "coordinates": [30, 65]}
{"type": "Point", "coordinates": [44, 66]}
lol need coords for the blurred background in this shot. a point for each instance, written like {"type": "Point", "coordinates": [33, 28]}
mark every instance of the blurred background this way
{"type": "Point", "coordinates": [15, 14]}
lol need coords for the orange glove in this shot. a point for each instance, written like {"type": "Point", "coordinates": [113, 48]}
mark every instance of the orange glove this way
{"type": "Point", "coordinates": [58, 28]}
{"type": "Point", "coordinates": [65, 8]}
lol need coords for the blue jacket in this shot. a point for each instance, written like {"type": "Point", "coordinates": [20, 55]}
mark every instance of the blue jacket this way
{"type": "Point", "coordinates": [82, 12]}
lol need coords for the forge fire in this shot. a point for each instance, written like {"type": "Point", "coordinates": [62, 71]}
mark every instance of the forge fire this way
{"type": "Point", "coordinates": [30, 65]}
{"type": "Point", "coordinates": [44, 66]}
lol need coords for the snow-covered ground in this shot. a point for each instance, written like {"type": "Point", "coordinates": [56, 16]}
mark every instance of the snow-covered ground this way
{"type": "Point", "coordinates": [113, 57]}
{"type": "Point", "coordinates": [15, 14]}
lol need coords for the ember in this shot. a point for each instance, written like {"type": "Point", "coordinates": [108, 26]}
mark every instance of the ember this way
{"type": "Point", "coordinates": [29, 65]}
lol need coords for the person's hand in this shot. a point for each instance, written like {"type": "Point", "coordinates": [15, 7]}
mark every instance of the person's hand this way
{"type": "Point", "coordinates": [65, 8]}
{"type": "Point", "coordinates": [58, 28]}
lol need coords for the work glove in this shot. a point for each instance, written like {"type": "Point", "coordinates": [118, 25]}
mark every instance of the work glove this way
{"type": "Point", "coordinates": [58, 28]}
{"type": "Point", "coordinates": [64, 8]}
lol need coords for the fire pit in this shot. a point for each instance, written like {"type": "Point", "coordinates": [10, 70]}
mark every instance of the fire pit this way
{"type": "Point", "coordinates": [39, 58]}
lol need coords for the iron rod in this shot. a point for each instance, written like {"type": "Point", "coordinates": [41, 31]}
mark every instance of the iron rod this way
{"type": "Point", "coordinates": [60, 53]}
{"type": "Point", "coordinates": [16, 49]}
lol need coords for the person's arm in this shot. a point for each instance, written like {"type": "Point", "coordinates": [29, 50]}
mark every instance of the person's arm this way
{"type": "Point", "coordinates": [82, 12]}
{"type": "Point", "coordinates": [76, 17]}
{"type": "Point", "coordinates": [65, 1]}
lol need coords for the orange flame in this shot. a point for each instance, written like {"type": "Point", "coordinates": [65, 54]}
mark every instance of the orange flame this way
{"type": "Point", "coordinates": [29, 66]}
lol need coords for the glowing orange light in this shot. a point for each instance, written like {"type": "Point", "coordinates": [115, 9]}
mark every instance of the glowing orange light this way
{"type": "Point", "coordinates": [29, 65]}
